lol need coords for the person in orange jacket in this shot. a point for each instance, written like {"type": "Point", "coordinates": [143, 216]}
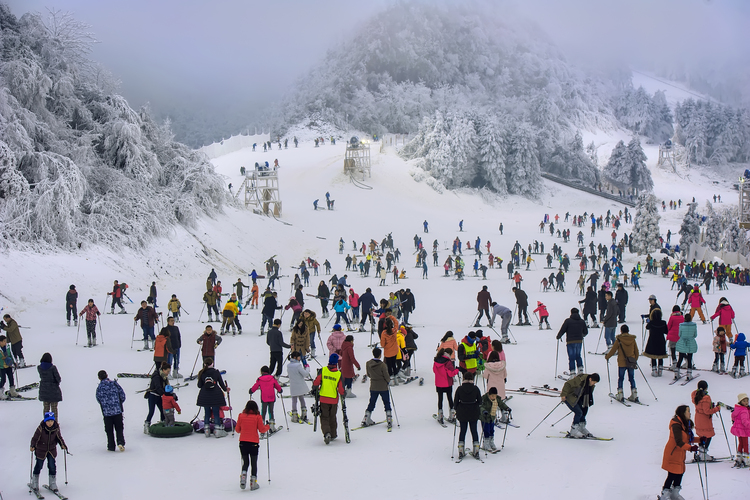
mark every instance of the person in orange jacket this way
{"type": "Point", "coordinates": [249, 424]}
{"type": "Point", "coordinates": [679, 443]}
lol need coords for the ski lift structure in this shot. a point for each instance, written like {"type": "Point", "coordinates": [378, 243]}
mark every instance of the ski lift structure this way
{"type": "Point", "coordinates": [261, 190]}
{"type": "Point", "coordinates": [744, 205]}
{"type": "Point", "coordinates": [357, 158]}
{"type": "Point", "coordinates": [666, 155]}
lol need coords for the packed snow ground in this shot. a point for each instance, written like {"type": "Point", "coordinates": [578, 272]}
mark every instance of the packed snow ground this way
{"type": "Point", "coordinates": [414, 460]}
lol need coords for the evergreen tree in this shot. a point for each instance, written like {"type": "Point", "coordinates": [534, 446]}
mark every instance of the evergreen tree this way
{"type": "Point", "coordinates": [714, 228]}
{"type": "Point", "coordinates": [690, 231]}
{"type": "Point", "coordinates": [522, 165]}
{"type": "Point", "coordinates": [616, 169]}
{"type": "Point", "coordinates": [645, 235]}
{"type": "Point", "coordinates": [640, 175]}
{"type": "Point", "coordinates": [490, 154]}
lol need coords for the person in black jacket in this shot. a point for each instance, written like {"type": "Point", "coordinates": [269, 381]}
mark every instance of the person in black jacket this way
{"type": "Point", "coordinates": [176, 340]}
{"type": "Point", "coordinates": [589, 306]}
{"type": "Point", "coordinates": [275, 341]}
{"type": "Point", "coordinates": [601, 299]}
{"type": "Point", "coordinates": [211, 397]}
{"type": "Point", "coordinates": [154, 394]}
{"type": "Point", "coordinates": [71, 301]}
{"type": "Point", "coordinates": [323, 294]}
{"type": "Point", "coordinates": [49, 384]}
{"type": "Point", "coordinates": [656, 345]}
{"type": "Point", "coordinates": [621, 297]}
{"type": "Point", "coordinates": [407, 305]}
{"type": "Point", "coordinates": [367, 302]}
{"type": "Point", "coordinates": [269, 311]}
{"type": "Point", "coordinates": [574, 328]}
{"type": "Point", "coordinates": [467, 401]}
{"type": "Point", "coordinates": [522, 301]}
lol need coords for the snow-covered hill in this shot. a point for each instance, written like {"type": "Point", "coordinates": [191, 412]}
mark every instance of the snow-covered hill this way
{"type": "Point", "coordinates": [414, 459]}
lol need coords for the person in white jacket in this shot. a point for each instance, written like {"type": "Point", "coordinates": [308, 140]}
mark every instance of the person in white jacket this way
{"type": "Point", "coordinates": [299, 373]}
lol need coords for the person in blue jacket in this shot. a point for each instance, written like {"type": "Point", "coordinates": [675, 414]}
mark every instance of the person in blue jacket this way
{"type": "Point", "coordinates": [740, 346]}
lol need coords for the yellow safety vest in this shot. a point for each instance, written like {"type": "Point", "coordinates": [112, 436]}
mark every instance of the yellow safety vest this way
{"type": "Point", "coordinates": [470, 351]}
{"type": "Point", "coordinates": [329, 383]}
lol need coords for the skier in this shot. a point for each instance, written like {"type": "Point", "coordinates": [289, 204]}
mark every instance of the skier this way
{"type": "Point", "coordinates": [6, 369]}
{"type": "Point", "coordinates": [626, 348]}
{"type": "Point", "coordinates": [240, 286]}
{"type": "Point", "coordinates": [44, 447]}
{"type": "Point", "coordinates": [468, 399]}
{"type": "Point", "coordinates": [296, 308]}
{"type": "Point", "coordinates": [212, 277]}
{"type": "Point", "coordinates": [110, 397]}
{"type": "Point", "coordinates": [506, 316]}
{"type": "Point", "coordinates": [211, 298]}
{"type": "Point", "coordinates": [254, 292]}
{"type": "Point", "coordinates": [340, 306]}
{"type": "Point", "coordinates": [696, 303]}
{"type": "Point", "coordinates": [522, 302]}
{"type": "Point", "coordinates": [704, 427]}
{"type": "Point", "coordinates": [484, 300]}
{"type": "Point", "coordinates": [740, 346]}
{"type": "Point", "coordinates": [379, 377]}
{"type": "Point", "coordinates": [148, 319]}
{"type": "Point", "coordinates": [444, 371]}
{"type": "Point", "coordinates": [269, 310]}
{"type": "Point", "coordinates": [491, 403]}
{"type": "Point", "coordinates": [574, 328]}
{"type": "Point", "coordinates": [71, 299]}
{"type": "Point", "coordinates": [275, 341]}
{"type": "Point", "coordinates": [726, 314]}
{"type": "Point", "coordinates": [323, 294]}
{"type": "Point", "coordinates": [656, 345]}
{"type": "Point", "coordinates": [610, 319]}
{"type": "Point", "coordinates": [578, 396]}
{"type": "Point", "coordinates": [49, 384]}
{"type": "Point", "coordinates": [211, 397]}
{"type": "Point", "coordinates": [621, 297]}
{"type": "Point", "coordinates": [543, 315]}
{"type": "Point", "coordinates": [249, 424]}
{"type": "Point", "coordinates": [229, 313]}
{"type": "Point", "coordinates": [686, 346]}
{"type": "Point", "coordinates": [424, 224]}
{"type": "Point", "coordinates": [468, 354]}
{"type": "Point", "coordinates": [348, 362]}
{"type": "Point", "coordinates": [298, 371]}
{"type": "Point", "coordinates": [741, 429]}
{"type": "Point", "coordinates": [209, 342]}
{"type": "Point", "coordinates": [152, 294]}
{"type": "Point", "coordinates": [92, 313]}
{"type": "Point", "coordinates": [449, 342]}
{"type": "Point", "coordinates": [269, 386]}
{"type": "Point", "coordinates": [173, 307]}
{"type": "Point", "coordinates": [116, 294]}
{"type": "Point", "coordinates": [680, 438]}
{"type": "Point", "coordinates": [312, 326]}
{"type": "Point", "coordinates": [720, 349]}
{"type": "Point", "coordinates": [154, 393]}
{"type": "Point", "coordinates": [407, 304]}
{"type": "Point", "coordinates": [495, 372]}
{"type": "Point", "coordinates": [175, 340]}
{"type": "Point", "coordinates": [673, 333]}
{"type": "Point", "coordinates": [589, 306]}
{"type": "Point", "coordinates": [329, 386]}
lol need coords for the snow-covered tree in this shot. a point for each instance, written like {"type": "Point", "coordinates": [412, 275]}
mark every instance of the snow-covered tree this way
{"type": "Point", "coordinates": [617, 169]}
{"type": "Point", "coordinates": [645, 235]}
{"type": "Point", "coordinates": [521, 164]}
{"type": "Point", "coordinates": [640, 175]}
{"type": "Point", "coordinates": [491, 154]}
{"type": "Point", "coordinates": [690, 231]}
{"type": "Point", "coordinates": [714, 228]}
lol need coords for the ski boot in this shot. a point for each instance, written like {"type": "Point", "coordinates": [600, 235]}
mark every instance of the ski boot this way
{"type": "Point", "coordinates": [303, 416]}
{"type": "Point", "coordinates": [93, 340]}
{"type": "Point", "coordinates": [295, 417]}
{"type": "Point", "coordinates": [219, 431]}
{"type": "Point", "coordinates": [703, 455]}
{"type": "Point", "coordinates": [207, 431]}
{"type": "Point", "coordinates": [690, 373]}
{"type": "Point", "coordinates": [666, 494]}
{"type": "Point", "coordinates": [312, 352]}
{"type": "Point", "coordinates": [367, 420]}
{"type": "Point", "coordinates": [349, 394]}
{"type": "Point", "coordinates": [253, 483]}
{"type": "Point", "coordinates": [34, 484]}
{"type": "Point", "coordinates": [53, 483]}
{"type": "Point", "coordinates": [715, 367]}
{"type": "Point", "coordinates": [243, 479]}
{"type": "Point", "coordinates": [734, 371]}
{"type": "Point", "coordinates": [75, 321]}
{"type": "Point", "coordinates": [504, 417]}
{"type": "Point", "coordinates": [68, 322]}
{"type": "Point", "coordinates": [633, 395]}
{"type": "Point", "coordinates": [540, 326]}
{"type": "Point", "coordinates": [210, 318]}
{"type": "Point", "coordinates": [407, 371]}
{"type": "Point", "coordinates": [145, 344]}
{"type": "Point", "coordinates": [440, 418]}
{"type": "Point", "coordinates": [722, 368]}
{"type": "Point", "coordinates": [393, 381]}
{"type": "Point", "coordinates": [742, 371]}
{"type": "Point", "coordinates": [389, 420]}
{"type": "Point", "coordinates": [327, 438]}
{"type": "Point", "coordinates": [580, 370]}
{"type": "Point", "coordinates": [505, 339]}
{"type": "Point", "coordinates": [548, 326]}
{"type": "Point", "coordinates": [146, 426]}
{"type": "Point", "coordinates": [461, 450]}
{"type": "Point", "coordinates": [654, 371]}
{"type": "Point", "coordinates": [660, 371]}
{"type": "Point", "coordinates": [475, 449]}
{"type": "Point", "coordinates": [492, 444]}
{"type": "Point", "coordinates": [575, 432]}
{"type": "Point", "coordinates": [121, 447]}
{"type": "Point", "coordinates": [584, 430]}
{"type": "Point", "coordinates": [21, 363]}
{"type": "Point", "coordinates": [452, 416]}
{"type": "Point", "coordinates": [676, 493]}
{"type": "Point", "coordinates": [676, 372]}
{"type": "Point", "coordinates": [620, 397]}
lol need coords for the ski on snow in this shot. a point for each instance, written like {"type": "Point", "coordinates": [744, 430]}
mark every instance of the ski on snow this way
{"type": "Point", "coordinates": [590, 438]}
{"type": "Point", "coordinates": [34, 491]}
{"type": "Point", "coordinates": [269, 433]}
{"type": "Point", "coordinates": [434, 415]}
{"type": "Point", "coordinates": [689, 379]}
{"type": "Point", "coordinates": [55, 492]}
{"type": "Point", "coordinates": [300, 421]}
{"type": "Point", "coordinates": [614, 398]}
{"type": "Point", "coordinates": [371, 425]}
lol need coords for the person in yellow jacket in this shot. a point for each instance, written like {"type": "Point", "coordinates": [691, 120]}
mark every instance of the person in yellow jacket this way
{"type": "Point", "coordinates": [389, 343]}
{"type": "Point", "coordinates": [401, 343]}
{"type": "Point", "coordinates": [230, 312]}
{"type": "Point", "coordinates": [329, 385]}
{"type": "Point", "coordinates": [173, 306]}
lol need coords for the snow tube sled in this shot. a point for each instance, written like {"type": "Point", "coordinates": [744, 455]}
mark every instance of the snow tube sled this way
{"type": "Point", "coordinates": [228, 425]}
{"type": "Point", "coordinates": [178, 430]}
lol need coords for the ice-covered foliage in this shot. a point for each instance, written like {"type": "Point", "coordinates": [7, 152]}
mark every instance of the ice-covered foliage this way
{"type": "Point", "coordinates": [77, 164]}
{"type": "Point", "coordinates": [690, 231]}
{"type": "Point", "coordinates": [644, 114]}
{"type": "Point", "coordinates": [627, 168]}
{"type": "Point", "coordinates": [645, 235]}
{"type": "Point", "coordinates": [713, 133]}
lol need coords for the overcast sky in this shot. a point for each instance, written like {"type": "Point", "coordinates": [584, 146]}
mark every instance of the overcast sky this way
{"type": "Point", "coordinates": [184, 52]}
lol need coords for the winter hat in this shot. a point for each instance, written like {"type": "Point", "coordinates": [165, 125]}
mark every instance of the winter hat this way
{"type": "Point", "coordinates": [472, 335]}
{"type": "Point", "coordinates": [539, 303]}
{"type": "Point", "coordinates": [337, 327]}
{"type": "Point", "coordinates": [740, 397]}
{"type": "Point", "coordinates": [333, 359]}
{"type": "Point", "coordinates": [51, 416]}
{"type": "Point", "coordinates": [480, 333]}
{"type": "Point", "coordinates": [652, 297]}
{"type": "Point", "coordinates": [72, 287]}
{"type": "Point", "coordinates": [168, 389]}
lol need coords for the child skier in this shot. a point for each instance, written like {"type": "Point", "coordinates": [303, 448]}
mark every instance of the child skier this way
{"type": "Point", "coordinates": [6, 369]}
{"type": "Point", "coordinates": [741, 429]}
{"type": "Point", "coordinates": [720, 349]}
{"type": "Point", "coordinates": [298, 371]}
{"type": "Point", "coordinates": [543, 315]}
{"type": "Point", "coordinates": [173, 306]}
{"type": "Point", "coordinates": [491, 403]}
{"type": "Point", "coordinates": [740, 350]}
{"type": "Point", "coordinates": [249, 424]}
{"type": "Point", "coordinates": [268, 386]}
{"type": "Point", "coordinates": [209, 342]}
{"type": "Point", "coordinates": [169, 405]}
{"type": "Point", "coordinates": [704, 427]}
{"type": "Point", "coordinates": [44, 446]}
{"type": "Point", "coordinates": [92, 314]}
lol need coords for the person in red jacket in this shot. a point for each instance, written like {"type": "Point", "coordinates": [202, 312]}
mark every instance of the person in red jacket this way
{"type": "Point", "coordinates": [444, 370]}
{"type": "Point", "coordinates": [543, 314]}
{"type": "Point", "coordinates": [348, 362]}
{"type": "Point", "coordinates": [169, 405]}
{"type": "Point", "coordinates": [249, 424]}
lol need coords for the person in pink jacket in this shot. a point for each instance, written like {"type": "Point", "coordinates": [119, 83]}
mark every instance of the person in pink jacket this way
{"type": "Point", "coordinates": [444, 370]}
{"type": "Point", "coordinates": [543, 318]}
{"type": "Point", "coordinates": [726, 314]}
{"type": "Point", "coordinates": [696, 303]}
{"type": "Point", "coordinates": [673, 333]}
{"type": "Point", "coordinates": [448, 341]}
{"type": "Point", "coordinates": [495, 373]}
{"type": "Point", "coordinates": [268, 386]}
{"type": "Point", "coordinates": [741, 429]}
{"type": "Point", "coordinates": [335, 340]}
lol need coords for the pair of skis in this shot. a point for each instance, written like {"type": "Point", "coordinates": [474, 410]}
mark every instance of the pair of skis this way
{"type": "Point", "coordinates": [40, 496]}
{"type": "Point", "coordinates": [687, 379]}
{"type": "Point", "coordinates": [300, 420]}
{"type": "Point", "coordinates": [626, 402]}
{"type": "Point", "coordinates": [566, 435]}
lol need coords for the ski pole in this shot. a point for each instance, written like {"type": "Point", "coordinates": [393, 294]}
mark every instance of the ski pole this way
{"type": "Point", "coordinates": [703, 491]}
{"type": "Point", "coordinates": [566, 415]}
{"type": "Point", "coordinates": [283, 408]}
{"type": "Point", "coordinates": [31, 466]}
{"type": "Point", "coordinates": [229, 400]}
{"type": "Point", "coordinates": [609, 381]}
{"type": "Point", "coordinates": [557, 354]}
{"type": "Point", "coordinates": [646, 380]}
{"type": "Point", "coordinates": [505, 433]}
{"type": "Point", "coordinates": [183, 309]}
{"type": "Point", "coordinates": [731, 455]}
{"type": "Point", "coordinates": [132, 338]}
{"type": "Point", "coordinates": [105, 302]}
{"type": "Point", "coordinates": [78, 332]}
{"type": "Point", "coordinates": [453, 447]}
{"type": "Point", "coordinates": [601, 331]}
{"type": "Point", "coordinates": [322, 345]}
{"type": "Point", "coordinates": [201, 314]}
{"type": "Point", "coordinates": [101, 334]}
{"type": "Point", "coordinates": [393, 403]}
{"type": "Point", "coordinates": [476, 318]}
{"type": "Point", "coordinates": [65, 461]}
{"type": "Point", "coordinates": [583, 348]}
{"type": "Point", "coordinates": [268, 455]}
{"type": "Point", "coordinates": [196, 361]}
{"type": "Point", "coordinates": [545, 418]}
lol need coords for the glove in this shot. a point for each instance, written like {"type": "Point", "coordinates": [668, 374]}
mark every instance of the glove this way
{"type": "Point", "coordinates": [485, 414]}
{"type": "Point", "coordinates": [694, 448]}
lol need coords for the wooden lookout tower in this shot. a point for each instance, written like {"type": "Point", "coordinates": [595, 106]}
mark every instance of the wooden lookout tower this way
{"type": "Point", "coordinates": [357, 159]}
{"type": "Point", "coordinates": [666, 155]}
{"type": "Point", "coordinates": [261, 190]}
